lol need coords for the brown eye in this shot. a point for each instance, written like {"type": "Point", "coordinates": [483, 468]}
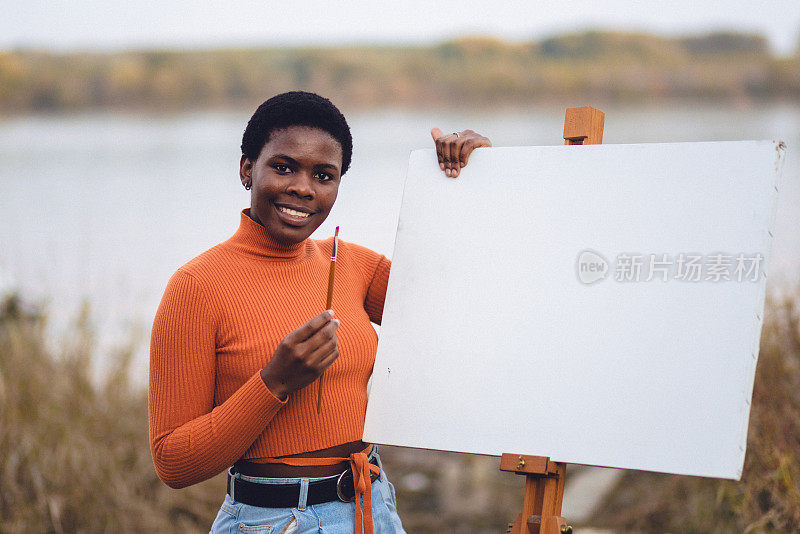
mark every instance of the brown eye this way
{"type": "Point", "coordinates": [281, 168]}
{"type": "Point", "coordinates": [323, 176]}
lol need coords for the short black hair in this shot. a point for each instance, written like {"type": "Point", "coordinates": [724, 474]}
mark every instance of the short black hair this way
{"type": "Point", "coordinates": [296, 108]}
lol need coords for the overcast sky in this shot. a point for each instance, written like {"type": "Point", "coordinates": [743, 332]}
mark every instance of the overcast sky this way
{"type": "Point", "coordinates": [95, 24]}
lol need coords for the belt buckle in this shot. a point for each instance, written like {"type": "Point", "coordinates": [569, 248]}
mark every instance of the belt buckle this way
{"type": "Point", "coordinates": [339, 488]}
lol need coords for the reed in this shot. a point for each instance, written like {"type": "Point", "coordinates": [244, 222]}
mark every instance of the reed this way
{"type": "Point", "coordinates": [75, 457]}
{"type": "Point", "coordinates": [74, 452]}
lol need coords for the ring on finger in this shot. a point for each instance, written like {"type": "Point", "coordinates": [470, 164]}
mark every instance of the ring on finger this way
{"type": "Point", "coordinates": [456, 134]}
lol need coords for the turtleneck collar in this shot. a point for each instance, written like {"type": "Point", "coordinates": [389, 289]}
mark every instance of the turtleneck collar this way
{"type": "Point", "coordinates": [252, 238]}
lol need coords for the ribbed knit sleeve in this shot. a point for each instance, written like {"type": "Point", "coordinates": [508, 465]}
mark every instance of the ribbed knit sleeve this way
{"type": "Point", "coordinates": [376, 294]}
{"type": "Point", "coordinates": [190, 438]}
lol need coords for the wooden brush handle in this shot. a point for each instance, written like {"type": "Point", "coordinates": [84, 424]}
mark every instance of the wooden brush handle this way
{"type": "Point", "coordinates": [328, 304]}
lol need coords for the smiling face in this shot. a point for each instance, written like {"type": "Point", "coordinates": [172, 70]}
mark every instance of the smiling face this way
{"type": "Point", "coordinates": [294, 181]}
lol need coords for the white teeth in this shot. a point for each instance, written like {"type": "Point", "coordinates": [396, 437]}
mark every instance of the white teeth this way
{"type": "Point", "coordinates": [294, 213]}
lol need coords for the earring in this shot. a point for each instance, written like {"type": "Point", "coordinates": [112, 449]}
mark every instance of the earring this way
{"type": "Point", "coordinates": [248, 186]}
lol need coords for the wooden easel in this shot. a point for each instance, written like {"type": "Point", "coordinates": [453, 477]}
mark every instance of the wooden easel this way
{"type": "Point", "coordinates": [544, 479]}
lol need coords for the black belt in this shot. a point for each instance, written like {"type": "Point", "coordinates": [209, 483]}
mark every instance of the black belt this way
{"type": "Point", "coordinates": [336, 488]}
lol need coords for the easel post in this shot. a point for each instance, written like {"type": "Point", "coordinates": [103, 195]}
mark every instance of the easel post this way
{"type": "Point", "coordinates": [583, 126]}
{"type": "Point", "coordinates": [544, 479]}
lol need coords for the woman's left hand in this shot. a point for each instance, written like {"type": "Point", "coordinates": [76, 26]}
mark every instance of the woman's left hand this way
{"type": "Point", "coordinates": [453, 149]}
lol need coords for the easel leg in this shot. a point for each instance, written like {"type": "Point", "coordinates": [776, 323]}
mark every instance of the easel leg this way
{"type": "Point", "coordinates": [546, 495]}
{"type": "Point", "coordinates": [544, 491]}
{"type": "Point", "coordinates": [544, 480]}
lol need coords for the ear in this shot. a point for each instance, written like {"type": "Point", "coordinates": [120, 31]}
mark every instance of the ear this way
{"type": "Point", "coordinates": [246, 170]}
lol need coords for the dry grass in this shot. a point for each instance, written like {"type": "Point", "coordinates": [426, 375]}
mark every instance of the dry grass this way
{"type": "Point", "coordinates": [768, 497]}
{"type": "Point", "coordinates": [74, 455]}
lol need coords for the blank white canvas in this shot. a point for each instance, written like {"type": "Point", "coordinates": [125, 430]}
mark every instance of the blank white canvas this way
{"type": "Point", "coordinates": [490, 342]}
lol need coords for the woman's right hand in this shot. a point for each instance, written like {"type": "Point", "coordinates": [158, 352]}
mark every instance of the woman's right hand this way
{"type": "Point", "coordinates": [302, 356]}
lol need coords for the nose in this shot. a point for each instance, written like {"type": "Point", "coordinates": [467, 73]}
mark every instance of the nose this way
{"type": "Point", "coordinates": [302, 185]}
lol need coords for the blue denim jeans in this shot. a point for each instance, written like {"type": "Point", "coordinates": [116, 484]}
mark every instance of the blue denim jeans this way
{"type": "Point", "coordinates": [333, 517]}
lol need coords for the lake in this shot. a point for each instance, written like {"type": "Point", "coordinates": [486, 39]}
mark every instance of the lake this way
{"type": "Point", "coordinates": [104, 207]}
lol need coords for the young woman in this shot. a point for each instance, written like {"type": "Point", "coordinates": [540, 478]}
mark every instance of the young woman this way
{"type": "Point", "coordinates": [238, 336]}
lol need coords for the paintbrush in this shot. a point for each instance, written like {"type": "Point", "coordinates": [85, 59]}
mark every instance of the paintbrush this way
{"type": "Point", "coordinates": [329, 302]}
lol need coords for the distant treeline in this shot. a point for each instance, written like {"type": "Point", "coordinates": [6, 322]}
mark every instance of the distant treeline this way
{"type": "Point", "coordinates": [474, 71]}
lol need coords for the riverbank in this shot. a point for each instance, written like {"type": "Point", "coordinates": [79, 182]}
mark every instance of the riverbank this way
{"type": "Point", "coordinates": [78, 458]}
{"type": "Point", "coordinates": [470, 73]}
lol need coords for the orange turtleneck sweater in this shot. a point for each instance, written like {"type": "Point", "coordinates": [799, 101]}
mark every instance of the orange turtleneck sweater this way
{"type": "Point", "coordinates": [222, 316]}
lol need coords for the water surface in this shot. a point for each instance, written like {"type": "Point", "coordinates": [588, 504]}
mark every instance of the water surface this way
{"type": "Point", "coordinates": [105, 207]}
